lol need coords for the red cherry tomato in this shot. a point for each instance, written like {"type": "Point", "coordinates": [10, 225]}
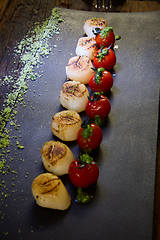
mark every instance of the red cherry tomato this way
{"type": "Point", "coordinates": [90, 137]}
{"type": "Point", "coordinates": [106, 37]}
{"type": "Point", "coordinates": [105, 58]}
{"type": "Point", "coordinates": [83, 175]}
{"type": "Point", "coordinates": [101, 81]}
{"type": "Point", "coordinates": [98, 106]}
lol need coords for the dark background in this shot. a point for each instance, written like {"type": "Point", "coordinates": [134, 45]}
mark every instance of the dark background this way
{"type": "Point", "coordinates": [14, 13]}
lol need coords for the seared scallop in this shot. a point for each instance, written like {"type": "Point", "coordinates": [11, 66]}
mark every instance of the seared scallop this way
{"type": "Point", "coordinates": [66, 124]}
{"type": "Point", "coordinates": [80, 69]}
{"type": "Point", "coordinates": [86, 46]}
{"type": "Point", "coordinates": [74, 96]}
{"type": "Point", "coordinates": [56, 157]}
{"type": "Point", "coordinates": [49, 192]}
{"type": "Point", "coordinates": [91, 24]}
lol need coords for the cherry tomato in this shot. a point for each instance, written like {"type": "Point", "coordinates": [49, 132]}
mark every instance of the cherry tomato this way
{"type": "Point", "coordinates": [83, 174]}
{"type": "Point", "coordinates": [101, 81]}
{"type": "Point", "coordinates": [98, 106]}
{"type": "Point", "coordinates": [106, 37]}
{"type": "Point", "coordinates": [104, 57]}
{"type": "Point", "coordinates": [89, 137]}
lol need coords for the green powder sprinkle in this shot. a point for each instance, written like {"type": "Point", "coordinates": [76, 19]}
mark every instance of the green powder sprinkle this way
{"type": "Point", "coordinates": [30, 50]}
{"type": "Point", "coordinates": [19, 146]}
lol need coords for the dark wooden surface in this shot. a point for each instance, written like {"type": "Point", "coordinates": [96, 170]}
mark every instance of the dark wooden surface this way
{"type": "Point", "coordinates": [157, 188]}
{"type": "Point", "coordinates": [14, 13]}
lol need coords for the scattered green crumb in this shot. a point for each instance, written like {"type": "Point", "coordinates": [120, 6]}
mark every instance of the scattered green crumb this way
{"type": "Point", "coordinates": [2, 165]}
{"type": "Point", "coordinates": [30, 51]}
{"type": "Point", "coordinates": [14, 172]}
{"type": "Point", "coordinates": [6, 195]}
{"type": "Point", "coordinates": [19, 146]}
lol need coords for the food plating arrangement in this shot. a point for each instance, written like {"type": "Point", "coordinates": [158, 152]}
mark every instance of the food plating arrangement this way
{"type": "Point", "coordinates": [78, 125]}
{"type": "Point", "coordinates": [95, 58]}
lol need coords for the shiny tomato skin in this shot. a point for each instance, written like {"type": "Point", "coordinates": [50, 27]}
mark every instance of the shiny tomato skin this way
{"type": "Point", "coordinates": [93, 141]}
{"type": "Point", "coordinates": [83, 176]}
{"type": "Point", "coordinates": [107, 41]}
{"type": "Point", "coordinates": [107, 62]}
{"type": "Point", "coordinates": [105, 84]}
{"type": "Point", "coordinates": [100, 107]}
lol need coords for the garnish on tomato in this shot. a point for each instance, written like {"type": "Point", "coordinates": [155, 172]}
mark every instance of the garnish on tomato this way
{"type": "Point", "coordinates": [104, 57]}
{"type": "Point", "coordinates": [82, 196]}
{"type": "Point", "coordinates": [106, 37]}
{"type": "Point", "coordinates": [98, 108]}
{"type": "Point", "coordinates": [101, 81]}
{"type": "Point", "coordinates": [89, 137]}
{"type": "Point", "coordinates": [83, 172]}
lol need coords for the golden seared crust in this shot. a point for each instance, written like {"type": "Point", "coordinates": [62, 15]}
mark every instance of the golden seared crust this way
{"type": "Point", "coordinates": [86, 46]}
{"type": "Point", "coordinates": [46, 183]}
{"type": "Point", "coordinates": [58, 151]}
{"type": "Point", "coordinates": [74, 89]}
{"type": "Point", "coordinates": [96, 22]}
{"type": "Point", "coordinates": [88, 43]}
{"type": "Point", "coordinates": [49, 192]}
{"type": "Point", "coordinates": [67, 117]}
{"type": "Point", "coordinates": [79, 69]}
{"type": "Point", "coordinates": [53, 151]}
{"type": "Point", "coordinates": [66, 124]}
{"type": "Point", "coordinates": [81, 63]}
{"type": "Point", "coordinates": [68, 120]}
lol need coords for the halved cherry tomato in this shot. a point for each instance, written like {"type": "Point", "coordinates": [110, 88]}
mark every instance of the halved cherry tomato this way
{"type": "Point", "coordinates": [101, 81]}
{"type": "Point", "coordinates": [83, 173]}
{"type": "Point", "coordinates": [98, 106]}
{"type": "Point", "coordinates": [106, 37]}
{"type": "Point", "coordinates": [104, 57]}
{"type": "Point", "coordinates": [89, 137]}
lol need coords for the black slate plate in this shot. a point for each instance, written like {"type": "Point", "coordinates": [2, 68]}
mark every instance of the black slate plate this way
{"type": "Point", "coordinates": [124, 195]}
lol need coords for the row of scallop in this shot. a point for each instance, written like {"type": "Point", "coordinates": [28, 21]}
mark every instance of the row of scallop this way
{"type": "Point", "coordinates": [47, 188]}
